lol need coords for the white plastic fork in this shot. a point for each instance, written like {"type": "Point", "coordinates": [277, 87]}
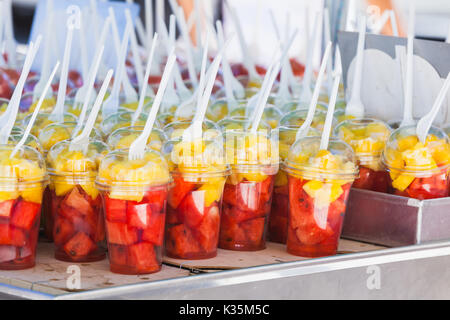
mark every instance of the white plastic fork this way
{"type": "Point", "coordinates": [145, 86]}
{"type": "Point", "coordinates": [111, 104]}
{"type": "Point", "coordinates": [82, 92]}
{"type": "Point", "coordinates": [135, 51]}
{"type": "Point", "coordinates": [8, 118]}
{"type": "Point", "coordinates": [303, 130]}
{"type": "Point", "coordinates": [129, 92]}
{"type": "Point", "coordinates": [35, 112]}
{"type": "Point", "coordinates": [325, 139]}
{"type": "Point", "coordinates": [81, 142]}
{"type": "Point", "coordinates": [90, 82]}
{"type": "Point", "coordinates": [57, 114]}
{"type": "Point", "coordinates": [137, 148]}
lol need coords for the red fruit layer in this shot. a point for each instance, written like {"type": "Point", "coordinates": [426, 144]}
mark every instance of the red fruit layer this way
{"type": "Point", "coordinates": [372, 180]}
{"type": "Point", "coordinates": [245, 213]}
{"type": "Point", "coordinates": [436, 186]}
{"type": "Point", "coordinates": [278, 220]}
{"type": "Point", "coordinates": [313, 231]}
{"type": "Point", "coordinates": [78, 230]}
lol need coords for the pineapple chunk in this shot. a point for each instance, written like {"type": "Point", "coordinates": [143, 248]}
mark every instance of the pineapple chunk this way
{"type": "Point", "coordinates": [281, 179]}
{"type": "Point", "coordinates": [407, 143]}
{"type": "Point", "coordinates": [213, 191]}
{"type": "Point", "coordinates": [323, 193]}
{"type": "Point", "coordinates": [402, 182]}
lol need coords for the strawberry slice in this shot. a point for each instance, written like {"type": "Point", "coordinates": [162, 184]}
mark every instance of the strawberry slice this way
{"type": "Point", "coordinates": [115, 210]}
{"type": "Point", "coordinates": [154, 233]}
{"type": "Point", "coordinates": [121, 233]}
{"type": "Point", "coordinates": [192, 209]}
{"type": "Point", "coordinates": [6, 208]}
{"type": "Point", "coordinates": [25, 214]}
{"type": "Point", "coordinates": [143, 257]}
{"type": "Point", "coordinates": [79, 246]}
{"type": "Point", "coordinates": [179, 191]}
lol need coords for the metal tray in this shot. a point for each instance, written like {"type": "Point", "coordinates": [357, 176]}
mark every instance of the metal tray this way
{"type": "Point", "coordinates": [394, 221]}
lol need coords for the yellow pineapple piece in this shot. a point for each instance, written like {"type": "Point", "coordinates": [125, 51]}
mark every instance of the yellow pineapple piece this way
{"type": "Point", "coordinates": [32, 194]}
{"type": "Point", "coordinates": [402, 182]}
{"type": "Point", "coordinates": [281, 179]}
{"type": "Point", "coordinates": [213, 191]}
{"type": "Point", "coordinates": [407, 143]}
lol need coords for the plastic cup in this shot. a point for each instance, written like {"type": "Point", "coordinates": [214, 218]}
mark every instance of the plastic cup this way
{"type": "Point", "coordinates": [119, 120]}
{"type": "Point", "coordinates": [292, 106]}
{"type": "Point", "coordinates": [298, 117]}
{"type": "Point", "coordinates": [195, 199]}
{"type": "Point", "coordinates": [271, 115]}
{"type": "Point", "coordinates": [240, 123]}
{"type": "Point", "coordinates": [219, 109]}
{"type": "Point", "coordinates": [319, 185]}
{"type": "Point", "coordinates": [134, 196]}
{"type": "Point", "coordinates": [176, 129]}
{"type": "Point", "coordinates": [42, 120]}
{"type": "Point", "coordinates": [278, 221]}
{"type": "Point", "coordinates": [368, 138]}
{"type": "Point", "coordinates": [31, 141]}
{"type": "Point", "coordinates": [124, 137]}
{"type": "Point", "coordinates": [418, 170]}
{"type": "Point", "coordinates": [76, 207]}
{"type": "Point", "coordinates": [22, 182]}
{"type": "Point", "coordinates": [248, 191]}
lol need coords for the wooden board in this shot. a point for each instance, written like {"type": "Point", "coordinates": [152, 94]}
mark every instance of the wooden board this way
{"type": "Point", "coordinates": [50, 275]}
{"type": "Point", "coordinates": [274, 253]}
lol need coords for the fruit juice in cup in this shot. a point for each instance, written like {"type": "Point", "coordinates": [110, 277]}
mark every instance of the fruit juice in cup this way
{"type": "Point", "coordinates": [319, 185]}
{"type": "Point", "coordinates": [297, 118]}
{"type": "Point", "coordinates": [124, 137]}
{"type": "Point", "coordinates": [119, 120]}
{"type": "Point", "coordinates": [134, 194]}
{"type": "Point", "coordinates": [272, 115]}
{"type": "Point", "coordinates": [43, 120]}
{"type": "Point", "coordinates": [176, 129]}
{"type": "Point", "coordinates": [195, 199]}
{"type": "Point", "coordinates": [22, 182]}
{"type": "Point", "coordinates": [367, 137]}
{"type": "Point", "coordinates": [418, 170]}
{"type": "Point", "coordinates": [293, 106]}
{"type": "Point", "coordinates": [76, 206]}
{"type": "Point", "coordinates": [247, 196]}
{"type": "Point", "coordinates": [278, 220]}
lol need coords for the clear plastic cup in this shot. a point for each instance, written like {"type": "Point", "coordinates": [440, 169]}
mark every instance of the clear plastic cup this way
{"type": "Point", "coordinates": [195, 199]}
{"type": "Point", "coordinates": [134, 196]}
{"type": "Point", "coordinates": [31, 141]}
{"type": "Point", "coordinates": [368, 138]}
{"type": "Point", "coordinates": [319, 185]}
{"type": "Point", "coordinates": [278, 221]}
{"type": "Point", "coordinates": [241, 123]}
{"type": "Point", "coordinates": [124, 137]}
{"type": "Point", "coordinates": [132, 106]}
{"type": "Point", "coordinates": [298, 117]}
{"type": "Point", "coordinates": [176, 129]}
{"type": "Point", "coordinates": [341, 116]}
{"type": "Point", "coordinates": [294, 106]}
{"type": "Point", "coordinates": [42, 120]}
{"type": "Point", "coordinates": [76, 207]}
{"type": "Point", "coordinates": [119, 120]}
{"type": "Point", "coordinates": [418, 170]}
{"type": "Point", "coordinates": [22, 182]}
{"type": "Point", "coordinates": [271, 115]}
{"type": "Point", "coordinates": [248, 191]}
{"type": "Point", "coordinates": [219, 109]}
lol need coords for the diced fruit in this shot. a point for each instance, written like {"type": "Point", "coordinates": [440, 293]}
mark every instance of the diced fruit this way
{"type": "Point", "coordinates": [192, 208]}
{"type": "Point", "coordinates": [79, 246]}
{"type": "Point", "coordinates": [180, 189]}
{"type": "Point", "coordinates": [157, 199]}
{"type": "Point", "coordinates": [180, 241]}
{"type": "Point", "coordinates": [6, 208]}
{"type": "Point", "coordinates": [63, 230]}
{"type": "Point", "coordinates": [76, 200]}
{"type": "Point", "coordinates": [12, 236]}
{"type": "Point", "coordinates": [24, 214]}
{"type": "Point", "coordinates": [154, 232]}
{"type": "Point", "coordinates": [143, 257]}
{"type": "Point", "coordinates": [402, 182]}
{"type": "Point", "coordinates": [207, 232]}
{"type": "Point", "coordinates": [118, 254]}
{"type": "Point", "coordinates": [254, 230]}
{"type": "Point", "coordinates": [120, 233]}
{"type": "Point", "coordinates": [115, 210]}
{"type": "Point", "coordinates": [138, 215]}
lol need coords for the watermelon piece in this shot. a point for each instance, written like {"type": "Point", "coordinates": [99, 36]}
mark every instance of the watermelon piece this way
{"type": "Point", "coordinates": [154, 233]}
{"type": "Point", "coordinates": [7, 253]}
{"type": "Point", "coordinates": [76, 200]}
{"type": "Point", "coordinates": [156, 199]}
{"type": "Point", "coordinates": [249, 197]}
{"type": "Point", "coordinates": [138, 215]}
{"type": "Point", "coordinates": [180, 242]}
{"type": "Point", "coordinates": [142, 256]}
{"type": "Point", "coordinates": [121, 233]}
{"type": "Point", "coordinates": [12, 236]}
{"type": "Point", "coordinates": [312, 234]}
{"type": "Point", "coordinates": [6, 208]}
{"type": "Point", "coordinates": [254, 230]}
{"type": "Point", "coordinates": [207, 233]}
{"type": "Point", "coordinates": [25, 214]}
{"type": "Point", "coordinates": [118, 254]}
{"type": "Point", "coordinates": [115, 210]}
{"type": "Point", "coordinates": [172, 216]}
{"type": "Point", "coordinates": [229, 195]}
{"type": "Point", "coordinates": [230, 231]}
{"type": "Point", "coordinates": [192, 209]}
{"type": "Point", "coordinates": [79, 246]}
{"type": "Point", "coordinates": [63, 230]}
{"type": "Point", "coordinates": [266, 188]}
{"type": "Point", "coordinates": [180, 189]}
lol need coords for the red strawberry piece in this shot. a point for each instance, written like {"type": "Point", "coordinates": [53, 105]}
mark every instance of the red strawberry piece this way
{"type": "Point", "coordinates": [25, 214]}
{"type": "Point", "coordinates": [192, 209]}
{"type": "Point", "coordinates": [154, 233]}
{"type": "Point", "coordinates": [179, 191]}
{"type": "Point", "coordinates": [6, 208]}
{"type": "Point", "coordinates": [12, 236]}
{"type": "Point", "coordinates": [63, 230]}
{"type": "Point", "coordinates": [121, 233]}
{"type": "Point", "coordinates": [115, 210]}
{"type": "Point", "coordinates": [7, 253]}
{"type": "Point", "coordinates": [143, 257]}
{"type": "Point", "coordinates": [79, 246]}
{"type": "Point", "coordinates": [77, 201]}
{"type": "Point", "coordinates": [180, 241]}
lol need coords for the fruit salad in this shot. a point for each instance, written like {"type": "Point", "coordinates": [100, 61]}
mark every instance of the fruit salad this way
{"type": "Point", "coordinates": [297, 118]}
{"type": "Point", "coordinates": [418, 170]}
{"type": "Point", "coordinates": [43, 120]}
{"type": "Point", "coordinates": [22, 181]}
{"type": "Point", "coordinates": [75, 203]}
{"type": "Point", "coordinates": [278, 221]}
{"type": "Point", "coordinates": [176, 129]}
{"type": "Point", "coordinates": [319, 185]}
{"type": "Point", "coordinates": [124, 137]}
{"type": "Point", "coordinates": [368, 138]}
{"type": "Point", "coordinates": [134, 194]}
{"type": "Point", "coordinates": [247, 196]}
{"type": "Point", "coordinates": [219, 109]}
{"type": "Point", "coordinates": [195, 199]}
{"type": "Point", "coordinates": [272, 115]}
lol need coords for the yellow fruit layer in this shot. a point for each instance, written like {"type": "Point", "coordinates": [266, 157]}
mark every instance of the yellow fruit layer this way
{"type": "Point", "coordinates": [369, 139]}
